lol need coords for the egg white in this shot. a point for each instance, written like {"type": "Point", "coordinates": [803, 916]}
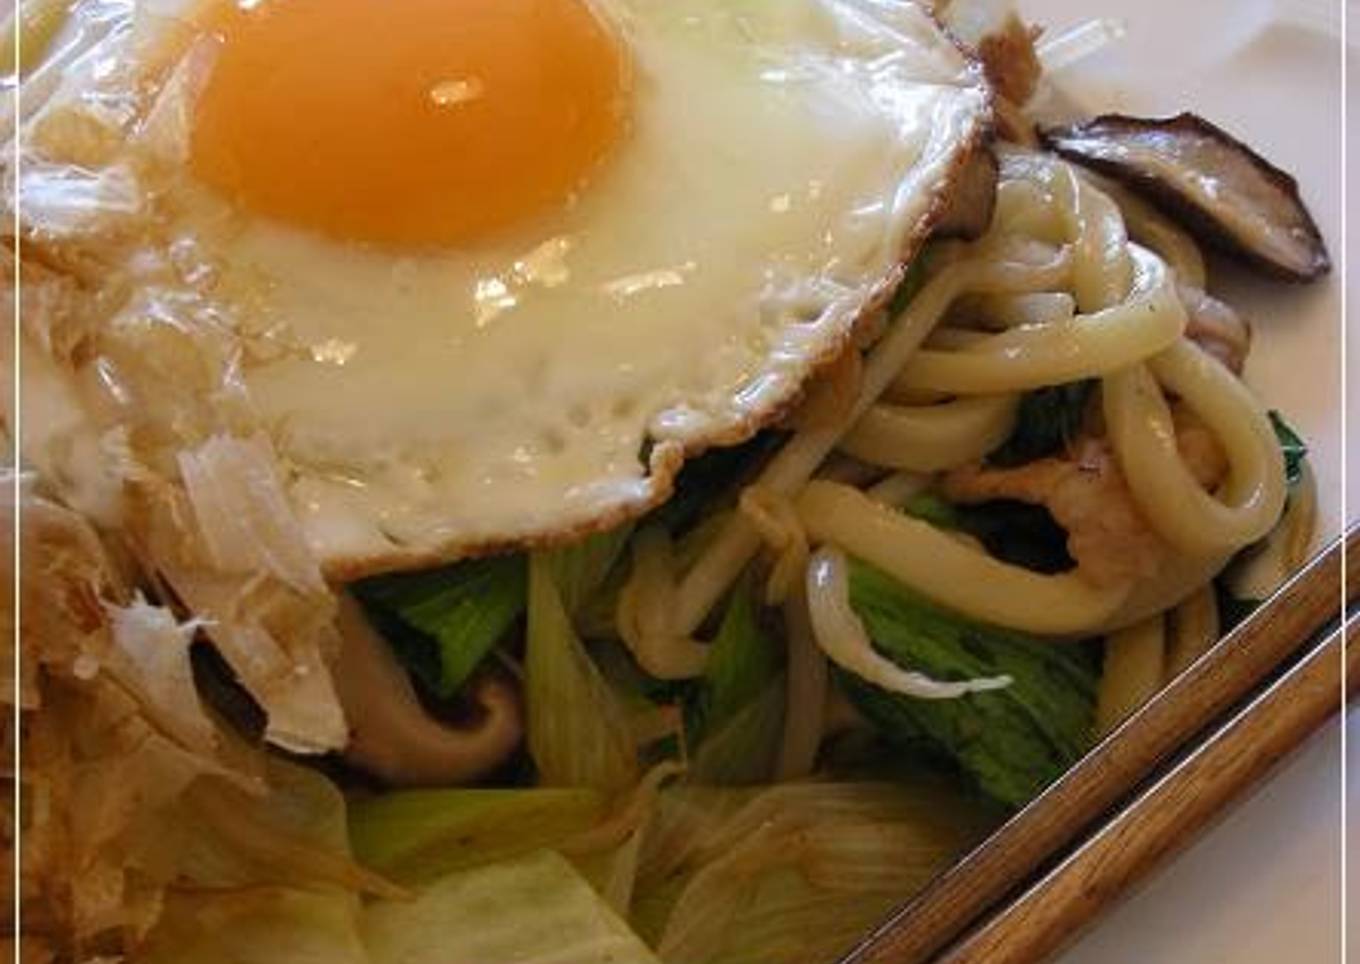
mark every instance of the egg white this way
{"type": "Point", "coordinates": [784, 157]}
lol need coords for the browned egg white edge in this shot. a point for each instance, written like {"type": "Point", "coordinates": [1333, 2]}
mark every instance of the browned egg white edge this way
{"type": "Point", "coordinates": [668, 458]}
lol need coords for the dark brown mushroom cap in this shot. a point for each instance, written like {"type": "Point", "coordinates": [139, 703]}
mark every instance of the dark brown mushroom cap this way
{"type": "Point", "coordinates": [1221, 190]}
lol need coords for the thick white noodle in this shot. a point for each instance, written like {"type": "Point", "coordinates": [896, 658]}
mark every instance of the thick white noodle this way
{"type": "Point", "coordinates": [806, 686]}
{"type": "Point", "coordinates": [1135, 666]}
{"type": "Point", "coordinates": [795, 464]}
{"type": "Point", "coordinates": [1144, 437]}
{"type": "Point", "coordinates": [951, 573]}
{"type": "Point", "coordinates": [1194, 628]}
{"type": "Point", "coordinates": [1067, 296]}
{"type": "Point", "coordinates": [641, 618]}
{"type": "Point", "coordinates": [1000, 312]}
{"type": "Point", "coordinates": [842, 636]}
{"type": "Point", "coordinates": [1285, 550]}
{"type": "Point", "coordinates": [899, 488]}
{"type": "Point", "coordinates": [1151, 228]}
{"type": "Point", "coordinates": [1151, 319]}
{"type": "Point", "coordinates": [931, 438]}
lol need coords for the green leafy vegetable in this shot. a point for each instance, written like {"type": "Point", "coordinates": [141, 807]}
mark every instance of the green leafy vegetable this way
{"type": "Point", "coordinates": [443, 622]}
{"type": "Point", "coordinates": [532, 910]}
{"type": "Point", "coordinates": [1294, 448]}
{"type": "Point", "coordinates": [578, 729]}
{"type": "Point", "coordinates": [932, 507]}
{"type": "Point", "coordinates": [742, 661]}
{"type": "Point", "coordinates": [415, 836]}
{"type": "Point", "coordinates": [704, 481]}
{"type": "Point", "coordinates": [912, 282]}
{"type": "Point", "coordinates": [1047, 421]}
{"type": "Point", "coordinates": [1015, 532]}
{"type": "Point", "coordinates": [580, 569]}
{"type": "Point", "coordinates": [1258, 570]}
{"type": "Point", "coordinates": [793, 873]}
{"type": "Point", "coordinates": [1013, 741]}
{"type": "Point", "coordinates": [737, 714]}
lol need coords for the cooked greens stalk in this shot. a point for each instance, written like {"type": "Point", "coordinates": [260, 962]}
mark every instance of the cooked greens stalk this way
{"type": "Point", "coordinates": [741, 750]}
{"type": "Point", "coordinates": [1013, 741]}
{"type": "Point", "coordinates": [415, 836]}
{"type": "Point", "coordinates": [737, 716]}
{"type": "Point", "coordinates": [582, 568]}
{"type": "Point", "coordinates": [443, 622]}
{"type": "Point", "coordinates": [579, 734]}
{"type": "Point", "coordinates": [535, 909]}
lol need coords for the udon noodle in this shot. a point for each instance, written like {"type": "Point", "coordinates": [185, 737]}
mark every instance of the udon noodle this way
{"type": "Point", "coordinates": [1055, 292]}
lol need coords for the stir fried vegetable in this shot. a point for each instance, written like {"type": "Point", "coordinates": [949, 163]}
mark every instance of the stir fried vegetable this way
{"type": "Point", "coordinates": [532, 909]}
{"type": "Point", "coordinates": [1047, 421]}
{"type": "Point", "coordinates": [738, 712]}
{"type": "Point", "coordinates": [416, 836]}
{"type": "Point", "coordinates": [791, 873]}
{"type": "Point", "coordinates": [1015, 532]}
{"type": "Point", "coordinates": [578, 729]}
{"type": "Point", "coordinates": [1012, 741]}
{"type": "Point", "coordinates": [442, 623]}
{"type": "Point", "coordinates": [1294, 448]}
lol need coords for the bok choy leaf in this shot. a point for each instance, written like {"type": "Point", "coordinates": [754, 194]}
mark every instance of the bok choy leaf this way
{"type": "Point", "coordinates": [1292, 446]}
{"type": "Point", "coordinates": [443, 622]}
{"type": "Point", "coordinates": [1047, 421]}
{"type": "Point", "coordinates": [1012, 741]}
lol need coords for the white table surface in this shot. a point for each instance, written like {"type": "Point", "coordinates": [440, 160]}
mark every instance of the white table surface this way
{"type": "Point", "coordinates": [1264, 885]}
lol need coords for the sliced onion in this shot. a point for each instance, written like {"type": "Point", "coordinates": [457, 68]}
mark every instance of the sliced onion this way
{"type": "Point", "coordinates": [841, 635]}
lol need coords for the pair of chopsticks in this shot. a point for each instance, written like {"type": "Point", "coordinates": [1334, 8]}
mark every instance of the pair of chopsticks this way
{"type": "Point", "coordinates": [1106, 822]}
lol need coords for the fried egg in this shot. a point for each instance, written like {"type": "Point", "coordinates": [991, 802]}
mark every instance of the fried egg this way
{"type": "Point", "coordinates": [491, 269]}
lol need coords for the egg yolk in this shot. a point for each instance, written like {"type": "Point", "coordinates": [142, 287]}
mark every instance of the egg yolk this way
{"type": "Point", "coordinates": [407, 122]}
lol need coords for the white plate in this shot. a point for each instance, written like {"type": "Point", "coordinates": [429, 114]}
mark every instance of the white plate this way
{"type": "Point", "coordinates": [1269, 71]}
{"type": "Point", "coordinates": [1264, 885]}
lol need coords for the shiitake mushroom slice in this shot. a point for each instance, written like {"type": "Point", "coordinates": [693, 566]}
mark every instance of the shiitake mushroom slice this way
{"type": "Point", "coordinates": [1221, 190]}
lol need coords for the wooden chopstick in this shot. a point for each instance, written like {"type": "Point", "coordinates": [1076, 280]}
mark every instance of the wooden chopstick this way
{"type": "Point", "coordinates": [1223, 677]}
{"type": "Point", "coordinates": [1167, 815]}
